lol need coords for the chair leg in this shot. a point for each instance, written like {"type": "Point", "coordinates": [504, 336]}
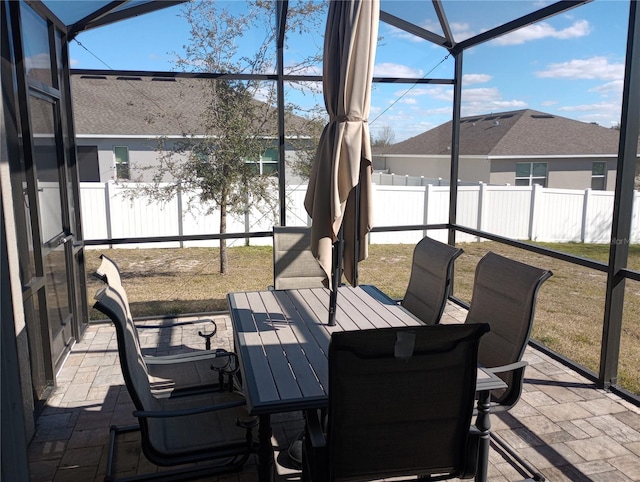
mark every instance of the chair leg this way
{"type": "Point", "coordinates": [535, 475]}
{"type": "Point", "coordinates": [234, 464]}
{"type": "Point", "coordinates": [114, 431]}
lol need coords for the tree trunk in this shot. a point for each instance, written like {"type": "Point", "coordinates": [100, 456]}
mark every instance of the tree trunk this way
{"type": "Point", "coordinates": [223, 229]}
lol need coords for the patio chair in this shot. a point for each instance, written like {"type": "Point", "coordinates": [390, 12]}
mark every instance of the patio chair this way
{"type": "Point", "coordinates": [430, 279]}
{"type": "Point", "coordinates": [181, 371]}
{"type": "Point", "coordinates": [294, 266]}
{"type": "Point", "coordinates": [176, 428]}
{"type": "Point", "coordinates": [504, 295]}
{"type": "Point", "coordinates": [400, 404]}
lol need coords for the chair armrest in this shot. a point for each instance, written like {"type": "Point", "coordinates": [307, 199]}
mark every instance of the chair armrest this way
{"type": "Point", "coordinates": [178, 358]}
{"type": "Point", "coordinates": [207, 336]}
{"type": "Point", "coordinates": [174, 324]}
{"type": "Point", "coordinates": [508, 368]}
{"type": "Point", "coordinates": [505, 400]}
{"type": "Point", "coordinates": [188, 357]}
{"type": "Point", "coordinates": [188, 411]}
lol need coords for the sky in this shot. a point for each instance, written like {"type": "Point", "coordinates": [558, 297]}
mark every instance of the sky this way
{"type": "Point", "coordinates": [570, 65]}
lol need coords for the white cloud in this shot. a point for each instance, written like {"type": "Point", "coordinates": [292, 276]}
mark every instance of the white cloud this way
{"type": "Point", "coordinates": [548, 103]}
{"type": "Point", "coordinates": [397, 33]}
{"type": "Point", "coordinates": [440, 111]}
{"type": "Point", "coordinates": [461, 31]}
{"type": "Point", "coordinates": [389, 69]}
{"type": "Point", "coordinates": [73, 62]}
{"type": "Point", "coordinates": [603, 113]}
{"type": "Point", "coordinates": [541, 30]}
{"type": "Point", "coordinates": [509, 104]}
{"type": "Point", "coordinates": [479, 101]}
{"type": "Point", "coordinates": [487, 106]}
{"type": "Point", "coordinates": [593, 68]}
{"type": "Point", "coordinates": [614, 87]}
{"type": "Point", "coordinates": [409, 101]}
{"type": "Point", "coordinates": [469, 79]}
{"type": "Point", "coordinates": [431, 26]}
{"type": "Point", "coordinates": [437, 92]}
{"type": "Point", "coordinates": [481, 94]}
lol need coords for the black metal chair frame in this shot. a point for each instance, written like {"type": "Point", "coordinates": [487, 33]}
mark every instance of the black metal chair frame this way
{"type": "Point", "coordinates": [387, 402]}
{"type": "Point", "coordinates": [233, 456]}
{"type": "Point", "coordinates": [504, 295]}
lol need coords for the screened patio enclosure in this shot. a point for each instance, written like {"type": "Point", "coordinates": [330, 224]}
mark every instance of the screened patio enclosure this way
{"type": "Point", "coordinates": [44, 300]}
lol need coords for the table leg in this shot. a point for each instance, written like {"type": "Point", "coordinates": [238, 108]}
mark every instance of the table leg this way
{"type": "Point", "coordinates": [483, 424]}
{"type": "Point", "coordinates": [265, 450]}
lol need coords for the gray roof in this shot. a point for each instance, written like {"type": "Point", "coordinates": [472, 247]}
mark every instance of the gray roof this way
{"type": "Point", "coordinates": [522, 133]}
{"type": "Point", "coordinates": [116, 105]}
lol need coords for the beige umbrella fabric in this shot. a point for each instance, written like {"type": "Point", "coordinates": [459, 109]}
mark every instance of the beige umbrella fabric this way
{"type": "Point", "coordinates": [343, 157]}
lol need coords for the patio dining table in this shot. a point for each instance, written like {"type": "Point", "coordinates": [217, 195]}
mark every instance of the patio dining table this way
{"type": "Point", "coordinates": [282, 340]}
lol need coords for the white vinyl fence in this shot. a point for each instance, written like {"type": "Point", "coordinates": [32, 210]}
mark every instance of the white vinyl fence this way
{"type": "Point", "coordinates": [524, 213]}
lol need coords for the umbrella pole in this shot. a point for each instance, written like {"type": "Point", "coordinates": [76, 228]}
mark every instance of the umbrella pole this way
{"type": "Point", "coordinates": [356, 236]}
{"type": "Point", "coordinates": [338, 251]}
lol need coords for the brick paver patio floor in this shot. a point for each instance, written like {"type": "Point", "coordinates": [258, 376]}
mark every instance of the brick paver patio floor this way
{"type": "Point", "coordinates": [564, 426]}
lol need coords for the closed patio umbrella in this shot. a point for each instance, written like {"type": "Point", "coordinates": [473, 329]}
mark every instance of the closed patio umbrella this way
{"type": "Point", "coordinates": [343, 158]}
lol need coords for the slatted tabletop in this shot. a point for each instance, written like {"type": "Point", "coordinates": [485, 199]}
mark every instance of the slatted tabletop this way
{"type": "Point", "coordinates": [282, 338]}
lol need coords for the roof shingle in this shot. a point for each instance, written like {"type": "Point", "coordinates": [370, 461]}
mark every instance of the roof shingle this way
{"type": "Point", "coordinates": [523, 132]}
{"type": "Point", "coordinates": [118, 105]}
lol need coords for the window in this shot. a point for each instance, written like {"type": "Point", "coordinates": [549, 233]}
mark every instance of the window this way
{"type": "Point", "coordinates": [269, 162]}
{"type": "Point", "coordinates": [599, 176]}
{"type": "Point", "coordinates": [530, 173]}
{"type": "Point", "coordinates": [121, 154]}
{"type": "Point", "coordinates": [267, 165]}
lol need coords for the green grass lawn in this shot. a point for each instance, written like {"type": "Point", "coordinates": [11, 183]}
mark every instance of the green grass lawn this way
{"type": "Point", "coordinates": [569, 316]}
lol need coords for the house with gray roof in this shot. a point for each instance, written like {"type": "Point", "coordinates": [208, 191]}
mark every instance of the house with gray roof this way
{"type": "Point", "coordinates": [119, 120]}
{"type": "Point", "coordinates": [521, 148]}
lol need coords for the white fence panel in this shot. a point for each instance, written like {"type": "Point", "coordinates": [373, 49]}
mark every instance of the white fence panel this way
{"type": "Point", "coordinates": [506, 210]}
{"type": "Point", "coordinates": [49, 204]}
{"type": "Point", "coordinates": [635, 219]}
{"type": "Point", "coordinates": [93, 205]}
{"type": "Point", "coordinates": [468, 211]}
{"type": "Point", "coordinates": [296, 213]}
{"type": "Point", "coordinates": [142, 217]}
{"type": "Point", "coordinates": [397, 206]}
{"type": "Point", "coordinates": [551, 215]}
{"type": "Point", "coordinates": [598, 216]}
{"type": "Point", "coordinates": [559, 214]}
{"type": "Point", "coordinates": [196, 221]}
{"type": "Point", "coordinates": [437, 207]}
{"type": "Point", "coordinates": [262, 218]}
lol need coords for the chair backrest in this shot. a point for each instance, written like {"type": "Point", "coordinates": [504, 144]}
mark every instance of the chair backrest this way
{"type": "Point", "coordinates": [109, 272]}
{"type": "Point", "coordinates": [294, 266]}
{"type": "Point", "coordinates": [431, 272]}
{"type": "Point", "coordinates": [401, 400]}
{"type": "Point", "coordinates": [134, 369]}
{"type": "Point", "coordinates": [504, 295]}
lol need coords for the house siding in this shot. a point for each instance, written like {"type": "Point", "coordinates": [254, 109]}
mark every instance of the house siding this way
{"type": "Point", "coordinates": [143, 157]}
{"type": "Point", "coordinates": [563, 173]}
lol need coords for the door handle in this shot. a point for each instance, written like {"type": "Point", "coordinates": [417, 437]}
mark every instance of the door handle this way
{"type": "Point", "coordinates": [66, 239]}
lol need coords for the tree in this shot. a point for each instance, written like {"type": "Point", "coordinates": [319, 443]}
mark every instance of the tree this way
{"type": "Point", "coordinates": [220, 166]}
{"type": "Point", "coordinates": [385, 137]}
{"type": "Point", "coordinates": [304, 141]}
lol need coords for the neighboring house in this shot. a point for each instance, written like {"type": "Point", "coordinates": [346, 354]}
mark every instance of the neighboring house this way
{"type": "Point", "coordinates": [119, 119]}
{"type": "Point", "coordinates": [520, 148]}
